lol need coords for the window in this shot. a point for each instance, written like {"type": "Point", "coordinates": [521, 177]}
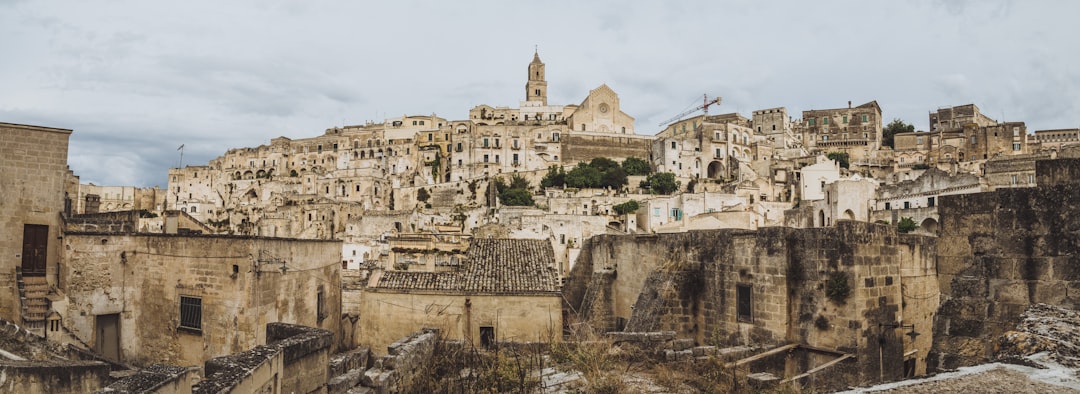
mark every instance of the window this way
{"type": "Point", "coordinates": [320, 302]}
{"type": "Point", "coordinates": [676, 213]}
{"type": "Point", "coordinates": [191, 313]}
{"type": "Point", "coordinates": [888, 206]}
{"type": "Point", "coordinates": [538, 92]}
{"type": "Point", "coordinates": [811, 121]}
{"type": "Point", "coordinates": [487, 336]}
{"type": "Point", "coordinates": [1016, 146]}
{"type": "Point", "coordinates": [974, 139]}
{"type": "Point", "coordinates": [742, 303]}
{"type": "Point", "coordinates": [824, 121]}
{"type": "Point", "coordinates": [845, 118]}
{"type": "Point", "coordinates": [931, 201]}
{"type": "Point", "coordinates": [1031, 179]}
{"type": "Point", "coordinates": [1016, 131]}
{"type": "Point", "coordinates": [656, 212]}
{"type": "Point", "coordinates": [865, 118]}
{"type": "Point", "coordinates": [672, 144]}
{"type": "Point", "coordinates": [485, 158]}
{"type": "Point", "coordinates": [1014, 179]}
{"type": "Point", "coordinates": [430, 137]}
{"type": "Point", "coordinates": [485, 142]}
{"type": "Point", "coordinates": [918, 140]}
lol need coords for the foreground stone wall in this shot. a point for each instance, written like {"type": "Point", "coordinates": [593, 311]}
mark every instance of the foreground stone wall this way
{"type": "Point", "coordinates": [1000, 252]}
{"type": "Point", "coordinates": [689, 283]}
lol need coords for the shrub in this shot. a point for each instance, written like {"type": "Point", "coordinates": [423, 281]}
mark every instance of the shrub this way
{"type": "Point", "coordinates": [906, 225]}
{"type": "Point", "coordinates": [837, 288]}
{"type": "Point", "coordinates": [627, 207]}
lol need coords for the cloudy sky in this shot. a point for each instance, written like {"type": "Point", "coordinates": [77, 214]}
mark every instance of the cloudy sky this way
{"type": "Point", "coordinates": [135, 79]}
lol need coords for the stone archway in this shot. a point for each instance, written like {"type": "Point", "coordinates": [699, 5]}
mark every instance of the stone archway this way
{"type": "Point", "coordinates": [929, 225]}
{"type": "Point", "coordinates": [849, 215]}
{"type": "Point", "coordinates": [716, 170]}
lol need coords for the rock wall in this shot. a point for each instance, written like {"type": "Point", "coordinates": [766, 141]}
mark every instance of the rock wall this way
{"type": "Point", "coordinates": [1000, 252]}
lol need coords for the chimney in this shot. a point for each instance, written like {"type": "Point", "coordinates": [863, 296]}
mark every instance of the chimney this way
{"type": "Point", "coordinates": [849, 104]}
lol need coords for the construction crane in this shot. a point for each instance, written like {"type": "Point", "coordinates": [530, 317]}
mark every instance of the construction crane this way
{"type": "Point", "coordinates": [702, 107]}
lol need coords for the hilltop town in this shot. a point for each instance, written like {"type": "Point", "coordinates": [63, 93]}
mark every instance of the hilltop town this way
{"type": "Point", "coordinates": [822, 251]}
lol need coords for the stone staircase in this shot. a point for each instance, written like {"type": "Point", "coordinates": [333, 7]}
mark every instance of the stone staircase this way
{"type": "Point", "coordinates": [35, 306]}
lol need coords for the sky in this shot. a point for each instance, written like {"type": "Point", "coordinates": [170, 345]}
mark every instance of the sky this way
{"type": "Point", "coordinates": [136, 79]}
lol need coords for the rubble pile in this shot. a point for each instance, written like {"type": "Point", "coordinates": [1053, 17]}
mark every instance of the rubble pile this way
{"type": "Point", "coordinates": [1043, 328]}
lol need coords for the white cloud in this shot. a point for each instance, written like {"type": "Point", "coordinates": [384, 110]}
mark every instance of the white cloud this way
{"type": "Point", "coordinates": [140, 77]}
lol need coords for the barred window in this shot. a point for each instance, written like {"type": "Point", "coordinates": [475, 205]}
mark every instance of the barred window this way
{"type": "Point", "coordinates": [191, 312]}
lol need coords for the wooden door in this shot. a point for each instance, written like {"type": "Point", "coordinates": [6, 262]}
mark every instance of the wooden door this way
{"type": "Point", "coordinates": [35, 249]}
{"type": "Point", "coordinates": [107, 343]}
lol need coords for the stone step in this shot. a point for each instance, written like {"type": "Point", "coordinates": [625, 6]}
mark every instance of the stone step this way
{"type": "Point", "coordinates": [27, 280]}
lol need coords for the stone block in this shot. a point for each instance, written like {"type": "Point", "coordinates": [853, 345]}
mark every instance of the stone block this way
{"type": "Point", "coordinates": [682, 344]}
{"type": "Point", "coordinates": [684, 355]}
{"type": "Point", "coordinates": [704, 351]}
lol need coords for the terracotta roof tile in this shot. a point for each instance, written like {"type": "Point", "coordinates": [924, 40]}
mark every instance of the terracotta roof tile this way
{"type": "Point", "coordinates": [490, 266]}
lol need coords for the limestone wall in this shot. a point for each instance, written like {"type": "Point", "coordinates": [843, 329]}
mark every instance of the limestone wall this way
{"type": "Point", "coordinates": [516, 318]}
{"type": "Point", "coordinates": [689, 283]}
{"type": "Point", "coordinates": [243, 284]}
{"type": "Point", "coordinates": [294, 360]}
{"type": "Point", "coordinates": [578, 147]}
{"type": "Point", "coordinates": [57, 377]}
{"type": "Point", "coordinates": [999, 252]}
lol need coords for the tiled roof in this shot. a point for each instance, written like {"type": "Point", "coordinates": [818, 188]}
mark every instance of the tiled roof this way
{"type": "Point", "coordinates": [491, 266]}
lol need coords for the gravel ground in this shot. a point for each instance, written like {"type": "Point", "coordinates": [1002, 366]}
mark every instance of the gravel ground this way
{"type": "Point", "coordinates": [997, 379]}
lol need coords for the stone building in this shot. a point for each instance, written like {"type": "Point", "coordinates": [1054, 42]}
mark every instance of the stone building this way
{"type": "Point", "coordinates": [33, 178]}
{"type": "Point", "coordinates": [505, 290]}
{"type": "Point", "coordinates": [961, 138]}
{"type": "Point", "coordinates": [917, 198]}
{"type": "Point", "coordinates": [1057, 138]}
{"type": "Point", "coordinates": [852, 130]}
{"type": "Point", "coordinates": [91, 198]}
{"type": "Point", "coordinates": [144, 298]}
{"type": "Point", "coordinates": [705, 147]}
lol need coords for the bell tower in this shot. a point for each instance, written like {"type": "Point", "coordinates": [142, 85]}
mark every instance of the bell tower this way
{"type": "Point", "coordinates": [536, 88]}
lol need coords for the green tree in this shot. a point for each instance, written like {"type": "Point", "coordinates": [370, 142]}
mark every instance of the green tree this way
{"type": "Point", "coordinates": [614, 177]}
{"type": "Point", "coordinates": [840, 157]}
{"type": "Point", "coordinates": [603, 164]}
{"type": "Point", "coordinates": [636, 166]}
{"type": "Point", "coordinates": [556, 177]}
{"type": "Point", "coordinates": [422, 195]}
{"type": "Point", "coordinates": [516, 197]}
{"type": "Point", "coordinates": [894, 127]}
{"type": "Point", "coordinates": [583, 176]}
{"type": "Point", "coordinates": [906, 225]}
{"type": "Point", "coordinates": [661, 183]}
{"type": "Point", "coordinates": [690, 185]}
{"type": "Point", "coordinates": [516, 193]}
{"type": "Point", "coordinates": [519, 182]}
{"type": "Point", "coordinates": [627, 207]}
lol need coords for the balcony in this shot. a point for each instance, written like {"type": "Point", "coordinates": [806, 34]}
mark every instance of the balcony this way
{"type": "Point", "coordinates": [842, 143]}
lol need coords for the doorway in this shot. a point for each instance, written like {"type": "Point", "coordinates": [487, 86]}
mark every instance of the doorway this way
{"type": "Point", "coordinates": [35, 247]}
{"type": "Point", "coordinates": [107, 343]}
